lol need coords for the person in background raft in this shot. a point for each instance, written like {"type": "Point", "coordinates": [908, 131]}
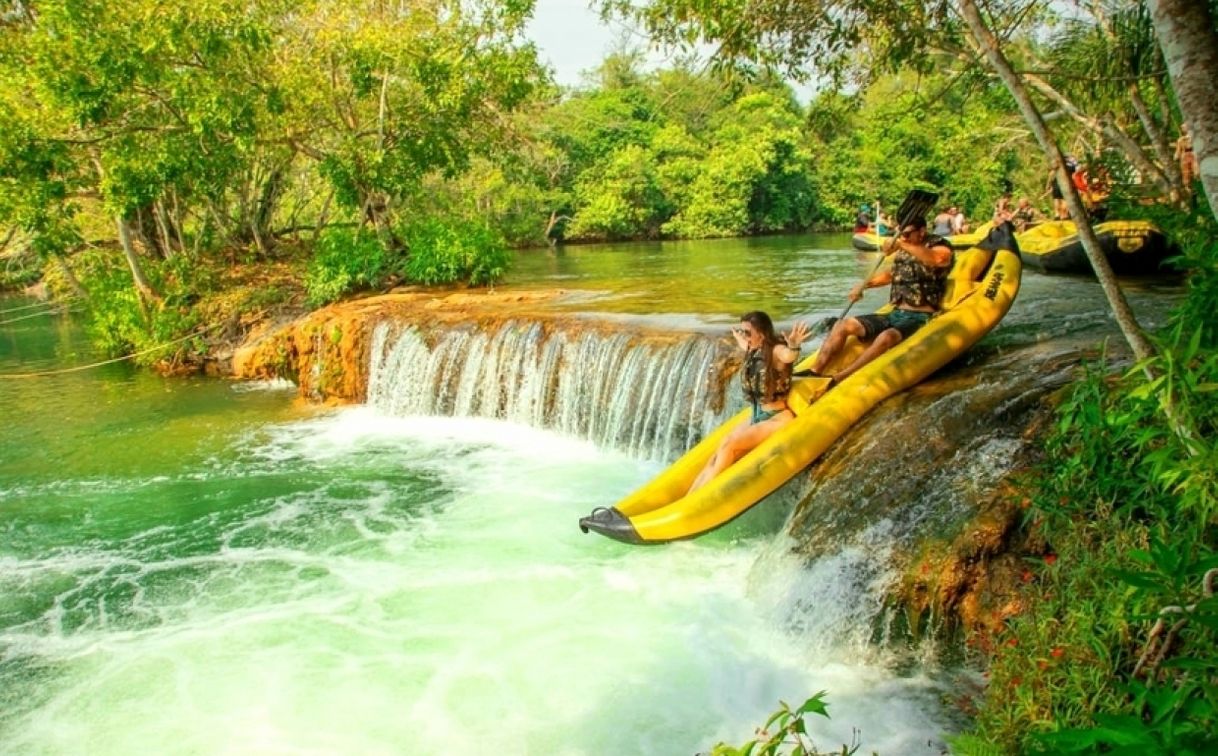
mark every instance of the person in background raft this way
{"type": "Point", "coordinates": [862, 221]}
{"type": "Point", "coordinates": [1060, 211]}
{"type": "Point", "coordinates": [959, 222]}
{"type": "Point", "coordinates": [942, 225]}
{"type": "Point", "coordinates": [1025, 215]}
{"type": "Point", "coordinates": [919, 279]}
{"type": "Point", "coordinates": [766, 378]}
{"type": "Point", "coordinates": [882, 223]}
{"type": "Point", "coordinates": [1003, 205]}
{"type": "Point", "coordinates": [1187, 158]}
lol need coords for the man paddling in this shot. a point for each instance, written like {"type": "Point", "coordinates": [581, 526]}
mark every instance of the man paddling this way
{"type": "Point", "coordinates": [918, 277]}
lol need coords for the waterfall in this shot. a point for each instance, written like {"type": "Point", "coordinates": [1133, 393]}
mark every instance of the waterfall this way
{"type": "Point", "coordinates": [650, 398]}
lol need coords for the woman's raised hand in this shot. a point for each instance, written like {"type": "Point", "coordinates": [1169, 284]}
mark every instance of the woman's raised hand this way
{"type": "Point", "coordinates": [797, 335]}
{"type": "Point", "coordinates": [742, 340]}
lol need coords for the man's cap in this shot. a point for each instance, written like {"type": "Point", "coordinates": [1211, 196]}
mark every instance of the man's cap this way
{"type": "Point", "coordinates": [918, 221]}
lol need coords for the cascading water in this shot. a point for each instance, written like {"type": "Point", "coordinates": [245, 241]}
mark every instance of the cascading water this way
{"type": "Point", "coordinates": [646, 398]}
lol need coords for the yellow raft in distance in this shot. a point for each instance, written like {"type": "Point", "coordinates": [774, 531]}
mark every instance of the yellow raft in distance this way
{"type": "Point", "coordinates": [981, 287]}
{"type": "Point", "coordinates": [1131, 246]}
{"type": "Point", "coordinates": [869, 241]}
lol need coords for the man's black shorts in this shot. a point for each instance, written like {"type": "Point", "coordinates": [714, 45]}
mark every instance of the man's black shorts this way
{"type": "Point", "coordinates": [905, 321]}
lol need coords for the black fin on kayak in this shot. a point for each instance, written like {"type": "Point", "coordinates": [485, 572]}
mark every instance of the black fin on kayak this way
{"type": "Point", "coordinates": [1001, 236]}
{"type": "Point", "coordinates": [610, 523]}
{"type": "Point", "coordinates": [823, 326]}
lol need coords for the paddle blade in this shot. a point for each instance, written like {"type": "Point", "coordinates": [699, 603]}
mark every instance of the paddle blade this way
{"type": "Point", "coordinates": [917, 202]}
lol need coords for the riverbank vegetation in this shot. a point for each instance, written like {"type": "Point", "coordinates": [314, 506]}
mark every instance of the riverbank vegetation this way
{"type": "Point", "coordinates": [1117, 650]}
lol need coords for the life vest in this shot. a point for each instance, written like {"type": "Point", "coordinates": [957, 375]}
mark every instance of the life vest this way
{"type": "Point", "coordinates": [757, 366]}
{"type": "Point", "coordinates": [916, 284]}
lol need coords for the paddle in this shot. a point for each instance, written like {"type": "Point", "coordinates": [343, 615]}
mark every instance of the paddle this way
{"type": "Point", "coordinates": [916, 203]}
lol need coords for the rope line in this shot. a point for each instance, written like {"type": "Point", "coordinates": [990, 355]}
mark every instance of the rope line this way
{"type": "Point", "coordinates": [48, 305]}
{"type": "Point", "coordinates": [133, 355]}
{"type": "Point", "coordinates": [32, 315]}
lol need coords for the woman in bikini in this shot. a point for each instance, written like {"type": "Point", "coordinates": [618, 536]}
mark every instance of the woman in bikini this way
{"type": "Point", "coordinates": [766, 377]}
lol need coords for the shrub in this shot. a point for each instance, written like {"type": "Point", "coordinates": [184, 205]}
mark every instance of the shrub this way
{"type": "Point", "coordinates": [119, 323]}
{"type": "Point", "coordinates": [346, 260]}
{"type": "Point", "coordinates": [786, 732]}
{"type": "Point", "coordinates": [447, 252]}
{"type": "Point", "coordinates": [19, 270]}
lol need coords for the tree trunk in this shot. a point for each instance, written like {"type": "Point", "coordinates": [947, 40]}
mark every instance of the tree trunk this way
{"type": "Point", "coordinates": [324, 216]}
{"type": "Point", "coordinates": [1159, 142]}
{"type": "Point", "coordinates": [376, 212]}
{"type": "Point", "coordinates": [70, 276]}
{"type": "Point", "coordinates": [268, 200]}
{"type": "Point", "coordinates": [987, 44]}
{"type": "Point", "coordinates": [142, 284]}
{"type": "Point", "coordinates": [177, 222]}
{"type": "Point", "coordinates": [146, 232]}
{"type": "Point", "coordinates": [162, 225]}
{"type": "Point", "coordinates": [1185, 29]}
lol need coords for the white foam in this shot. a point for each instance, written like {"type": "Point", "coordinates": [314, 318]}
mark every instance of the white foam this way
{"type": "Point", "coordinates": [339, 613]}
{"type": "Point", "coordinates": [269, 384]}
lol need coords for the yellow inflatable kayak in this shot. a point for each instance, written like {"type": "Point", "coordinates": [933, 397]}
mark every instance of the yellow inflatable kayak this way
{"type": "Point", "coordinates": [971, 239]}
{"type": "Point", "coordinates": [981, 288]}
{"type": "Point", "coordinates": [868, 241]}
{"type": "Point", "coordinates": [1130, 246]}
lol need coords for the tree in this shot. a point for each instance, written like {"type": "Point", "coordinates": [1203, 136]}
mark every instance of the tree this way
{"type": "Point", "coordinates": [383, 95]}
{"type": "Point", "coordinates": [1186, 33]}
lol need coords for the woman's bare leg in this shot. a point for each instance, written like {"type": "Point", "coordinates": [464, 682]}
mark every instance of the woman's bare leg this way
{"type": "Point", "coordinates": [739, 442]}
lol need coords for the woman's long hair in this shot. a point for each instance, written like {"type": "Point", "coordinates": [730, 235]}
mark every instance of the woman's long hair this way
{"type": "Point", "coordinates": [761, 321]}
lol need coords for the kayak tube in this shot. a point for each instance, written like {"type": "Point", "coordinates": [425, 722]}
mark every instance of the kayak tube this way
{"type": "Point", "coordinates": [982, 285]}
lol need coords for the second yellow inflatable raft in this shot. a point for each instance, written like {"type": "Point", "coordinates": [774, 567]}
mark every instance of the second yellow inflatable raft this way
{"type": "Point", "coordinates": [1131, 246]}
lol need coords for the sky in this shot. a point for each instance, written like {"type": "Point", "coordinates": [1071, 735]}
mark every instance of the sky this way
{"type": "Point", "coordinates": [572, 39]}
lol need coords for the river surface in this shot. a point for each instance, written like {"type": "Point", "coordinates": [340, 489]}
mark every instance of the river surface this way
{"type": "Point", "coordinates": [202, 566]}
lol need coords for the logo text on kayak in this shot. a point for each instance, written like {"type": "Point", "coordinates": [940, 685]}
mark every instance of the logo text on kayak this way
{"type": "Point", "coordinates": [991, 291]}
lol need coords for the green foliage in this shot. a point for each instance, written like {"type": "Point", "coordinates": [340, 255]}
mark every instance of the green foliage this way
{"type": "Point", "coordinates": [1129, 494]}
{"type": "Point", "coordinates": [621, 198]}
{"type": "Point", "coordinates": [892, 142]}
{"type": "Point", "coordinates": [755, 178]}
{"type": "Point", "coordinates": [444, 252]}
{"type": "Point", "coordinates": [18, 269]}
{"type": "Point", "coordinates": [194, 123]}
{"type": "Point", "coordinates": [120, 323]}
{"type": "Point", "coordinates": [346, 260]}
{"type": "Point", "coordinates": [786, 732]}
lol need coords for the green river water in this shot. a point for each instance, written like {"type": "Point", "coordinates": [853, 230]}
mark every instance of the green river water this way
{"type": "Point", "coordinates": [203, 566]}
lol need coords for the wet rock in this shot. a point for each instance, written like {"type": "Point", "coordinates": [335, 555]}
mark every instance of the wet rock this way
{"type": "Point", "coordinates": [938, 468]}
